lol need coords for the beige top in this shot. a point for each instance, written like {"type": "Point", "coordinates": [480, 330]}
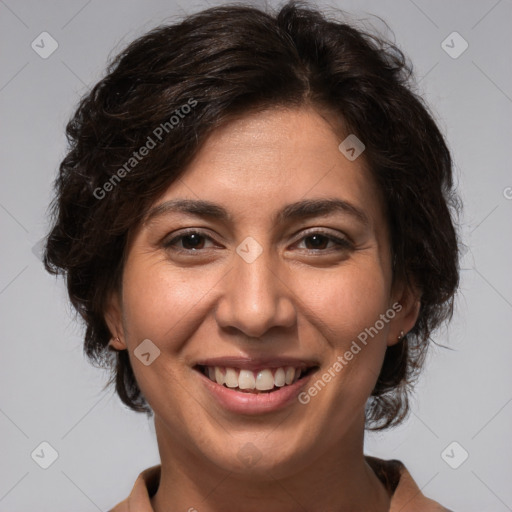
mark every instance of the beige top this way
{"type": "Point", "coordinates": [406, 496]}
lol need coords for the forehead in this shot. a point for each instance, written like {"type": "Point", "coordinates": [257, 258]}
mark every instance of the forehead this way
{"type": "Point", "coordinates": [263, 161]}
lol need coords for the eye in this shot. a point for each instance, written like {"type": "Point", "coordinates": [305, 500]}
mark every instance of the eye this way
{"type": "Point", "coordinates": [324, 242]}
{"type": "Point", "coordinates": [190, 241]}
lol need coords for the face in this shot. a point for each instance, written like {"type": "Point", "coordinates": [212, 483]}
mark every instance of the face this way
{"type": "Point", "coordinates": [262, 280]}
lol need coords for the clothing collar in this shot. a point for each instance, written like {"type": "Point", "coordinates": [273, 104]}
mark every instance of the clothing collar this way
{"type": "Point", "coordinates": [406, 495]}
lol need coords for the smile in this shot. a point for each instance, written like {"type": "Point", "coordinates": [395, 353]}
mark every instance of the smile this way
{"type": "Point", "coordinates": [264, 380]}
{"type": "Point", "coordinates": [254, 385]}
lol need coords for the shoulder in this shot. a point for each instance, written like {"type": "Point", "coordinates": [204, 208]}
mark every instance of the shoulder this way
{"type": "Point", "coordinates": [140, 498]}
{"type": "Point", "coordinates": [406, 496]}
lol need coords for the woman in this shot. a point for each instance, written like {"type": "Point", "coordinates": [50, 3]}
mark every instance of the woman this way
{"type": "Point", "coordinates": [254, 220]}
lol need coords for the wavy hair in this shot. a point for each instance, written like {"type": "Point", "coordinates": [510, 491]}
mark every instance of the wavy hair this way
{"type": "Point", "coordinates": [231, 60]}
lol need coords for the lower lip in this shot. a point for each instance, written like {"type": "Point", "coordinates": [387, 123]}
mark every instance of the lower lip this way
{"type": "Point", "coordinates": [254, 403]}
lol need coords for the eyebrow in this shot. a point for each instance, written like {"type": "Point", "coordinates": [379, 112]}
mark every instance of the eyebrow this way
{"type": "Point", "coordinates": [304, 209]}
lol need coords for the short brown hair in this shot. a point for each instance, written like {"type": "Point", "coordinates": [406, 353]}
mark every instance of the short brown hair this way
{"type": "Point", "coordinates": [224, 62]}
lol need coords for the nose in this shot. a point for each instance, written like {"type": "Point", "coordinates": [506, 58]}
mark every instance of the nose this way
{"type": "Point", "coordinates": [255, 299]}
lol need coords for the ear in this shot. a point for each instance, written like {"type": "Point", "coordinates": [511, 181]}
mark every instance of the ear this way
{"type": "Point", "coordinates": [113, 318]}
{"type": "Point", "coordinates": [406, 302]}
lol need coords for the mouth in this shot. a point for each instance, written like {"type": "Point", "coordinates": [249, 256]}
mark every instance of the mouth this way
{"type": "Point", "coordinates": [251, 386]}
{"type": "Point", "coordinates": [255, 381]}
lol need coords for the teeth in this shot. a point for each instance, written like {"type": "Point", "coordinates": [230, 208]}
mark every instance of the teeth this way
{"type": "Point", "coordinates": [279, 378]}
{"type": "Point", "coordinates": [246, 380]}
{"type": "Point", "coordinates": [263, 380]}
{"type": "Point", "coordinates": [231, 379]}
{"type": "Point", "coordinates": [219, 376]}
{"type": "Point", "coordinates": [290, 375]}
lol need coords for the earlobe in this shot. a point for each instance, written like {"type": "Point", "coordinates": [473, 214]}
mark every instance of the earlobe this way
{"type": "Point", "coordinates": [405, 319]}
{"type": "Point", "coordinates": [117, 344]}
{"type": "Point", "coordinates": [113, 318]}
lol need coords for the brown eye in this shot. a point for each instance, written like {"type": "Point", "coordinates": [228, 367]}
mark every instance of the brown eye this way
{"type": "Point", "coordinates": [191, 242]}
{"type": "Point", "coordinates": [317, 242]}
{"type": "Point", "coordinates": [324, 242]}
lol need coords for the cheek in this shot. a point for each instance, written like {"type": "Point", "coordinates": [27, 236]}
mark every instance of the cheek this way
{"type": "Point", "coordinates": [346, 301]}
{"type": "Point", "coordinates": [164, 304]}
{"type": "Point", "coordinates": [346, 306]}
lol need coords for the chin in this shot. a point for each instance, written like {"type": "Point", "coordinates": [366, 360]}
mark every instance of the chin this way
{"type": "Point", "coordinates": [265, 460]}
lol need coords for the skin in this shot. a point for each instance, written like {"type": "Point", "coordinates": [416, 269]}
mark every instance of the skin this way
{"type": "Point", "coordinates": [296, 299]}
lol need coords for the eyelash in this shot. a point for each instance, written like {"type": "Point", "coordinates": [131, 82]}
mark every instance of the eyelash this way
{"type": "Point", "coordinates": [342, 244]}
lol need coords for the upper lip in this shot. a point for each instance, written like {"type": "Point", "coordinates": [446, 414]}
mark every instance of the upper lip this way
{"type": "Point", "coordinates": [257, 363]}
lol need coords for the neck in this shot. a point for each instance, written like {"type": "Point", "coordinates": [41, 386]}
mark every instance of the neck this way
{"type": "Point", "coordinates": [338, 480]}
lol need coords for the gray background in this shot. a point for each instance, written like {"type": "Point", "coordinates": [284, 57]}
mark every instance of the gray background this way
{"type": "Point", "coordinates": [48, 392]}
